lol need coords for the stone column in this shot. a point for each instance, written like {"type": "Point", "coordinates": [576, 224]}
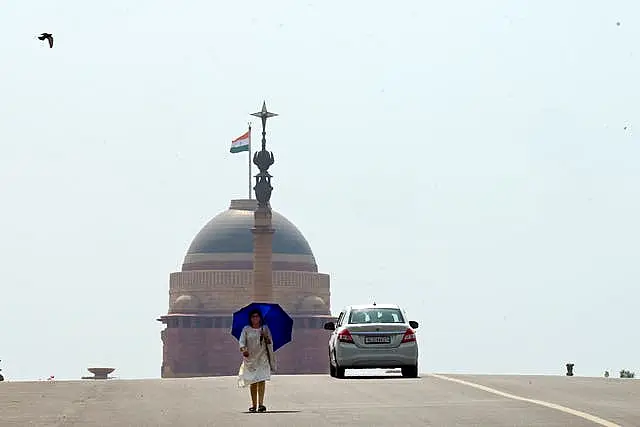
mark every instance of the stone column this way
{"type": "Point", "coordinates": [263, 230]}
{"type": "Point", "coordinates": [262, 255]}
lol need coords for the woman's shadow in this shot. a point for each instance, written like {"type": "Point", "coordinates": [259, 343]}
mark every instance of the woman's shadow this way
{"type": "Point", "coordinates": [274, 412]}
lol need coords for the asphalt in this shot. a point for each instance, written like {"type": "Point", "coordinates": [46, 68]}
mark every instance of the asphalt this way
{"type": "Point", "coordinates": [431, 400]}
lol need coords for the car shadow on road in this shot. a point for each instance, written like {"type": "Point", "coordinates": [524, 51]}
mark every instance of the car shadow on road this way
{"type": "Point", "coordinates": [376, 377]}
{"type": "Point", "coordinates": [375, 374]}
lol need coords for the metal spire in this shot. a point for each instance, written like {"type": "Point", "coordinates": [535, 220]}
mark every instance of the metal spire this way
{"type": "Point", "coordinates": [264, 115]}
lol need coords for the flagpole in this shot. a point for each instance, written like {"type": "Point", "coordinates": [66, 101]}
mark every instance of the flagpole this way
{"type": "Point", "coordinates": [249, 160]}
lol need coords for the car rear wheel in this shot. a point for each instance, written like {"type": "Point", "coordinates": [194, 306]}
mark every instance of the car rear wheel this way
{"type": "Point", "coordinates": [410, 371]}
{"type": "Point", "coordinates": [338, 372]}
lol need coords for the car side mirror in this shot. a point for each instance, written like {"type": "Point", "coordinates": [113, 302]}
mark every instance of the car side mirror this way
{"type": "Point", "coordinates": [413, 324]}
{"type": "Point", "coordinates": [330, 326]}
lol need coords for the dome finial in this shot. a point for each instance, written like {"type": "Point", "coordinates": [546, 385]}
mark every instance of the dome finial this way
{"type": "Point", "coordinates": [264, 115]}
{"type": "Point", "coordinates": [263, 159]}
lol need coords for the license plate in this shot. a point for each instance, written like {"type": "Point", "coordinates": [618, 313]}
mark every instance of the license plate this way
{"type": "Point", "coordinates": [377, 340]}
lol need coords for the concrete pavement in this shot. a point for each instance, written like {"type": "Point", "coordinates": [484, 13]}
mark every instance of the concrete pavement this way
{"type": "Point", "coordinates": [322, 401]}
{"type": "Point", "coordinates": [614, 399]}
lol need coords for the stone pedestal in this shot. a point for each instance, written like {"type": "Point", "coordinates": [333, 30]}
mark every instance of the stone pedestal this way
{"type": "Point", "coordinates": [99, 373]}
{"type": "Point", "coordinates": [200, 352]}
{"type": "Point", "coordinates": [307, 353]}
{"type": "Point", "coordinates": [204, 352]}
{"type": "Point", "coordinates": [262, 254]}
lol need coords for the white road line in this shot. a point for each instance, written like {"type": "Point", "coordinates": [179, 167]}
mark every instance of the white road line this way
{"type": "Point", "coordinates": [560, 408]}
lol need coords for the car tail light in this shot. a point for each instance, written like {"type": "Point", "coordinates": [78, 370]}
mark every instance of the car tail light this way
{"type": "Point", "coordinates": [345, 336]}
{"type": "Point", "coordinates": [409, 336]}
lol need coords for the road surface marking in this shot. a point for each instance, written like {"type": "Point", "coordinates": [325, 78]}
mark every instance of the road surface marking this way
{"type": "Point", "coordinates": [560, 408]}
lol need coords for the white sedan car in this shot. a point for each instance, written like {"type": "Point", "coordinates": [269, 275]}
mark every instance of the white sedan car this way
{"type": "Point", "coordinates": [373, 336]}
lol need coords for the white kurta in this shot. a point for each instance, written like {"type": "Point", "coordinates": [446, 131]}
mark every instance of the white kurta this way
{"type": "Point", "coordinates": [261, 361]}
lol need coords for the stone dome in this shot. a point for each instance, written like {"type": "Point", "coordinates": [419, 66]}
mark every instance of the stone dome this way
{"type": "Point", "coordinates": [226, 243]}
{"type": "Point", "coordinates": [186, 304]}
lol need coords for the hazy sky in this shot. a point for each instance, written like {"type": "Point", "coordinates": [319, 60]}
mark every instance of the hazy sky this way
{"type": "Point", "coordinates": [465, 159]}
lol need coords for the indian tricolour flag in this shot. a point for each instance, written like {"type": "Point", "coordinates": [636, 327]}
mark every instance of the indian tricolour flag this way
{"type": "Point", "coordinates": [241, 143]}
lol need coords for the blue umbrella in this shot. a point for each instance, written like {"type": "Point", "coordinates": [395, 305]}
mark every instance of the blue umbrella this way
{"type": "Point", "coordinates": [279, 322]}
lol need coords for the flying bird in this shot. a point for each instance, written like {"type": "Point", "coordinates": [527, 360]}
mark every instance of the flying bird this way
{"type": "Point", "coordinates": [47, 36]}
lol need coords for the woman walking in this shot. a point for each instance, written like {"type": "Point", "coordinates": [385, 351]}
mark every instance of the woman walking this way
{"type": "Point", "coordinates": [258, 361]}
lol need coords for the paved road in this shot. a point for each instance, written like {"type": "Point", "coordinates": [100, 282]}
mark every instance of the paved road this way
{"type": "Point", "coordinates": [323, 401]}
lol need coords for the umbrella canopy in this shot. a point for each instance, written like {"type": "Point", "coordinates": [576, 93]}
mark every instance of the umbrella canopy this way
{"type": "Point", "coordinates": [279, 322]}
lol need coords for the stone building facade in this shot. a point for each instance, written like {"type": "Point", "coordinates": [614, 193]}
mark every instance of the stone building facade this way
{"type": "Point", "coordinates": [216, 280]}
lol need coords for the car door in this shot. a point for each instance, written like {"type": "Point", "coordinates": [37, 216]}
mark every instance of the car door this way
{"type": "Point", "coordinates": [334, 334]}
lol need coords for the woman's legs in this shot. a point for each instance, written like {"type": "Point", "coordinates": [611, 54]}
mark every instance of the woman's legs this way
{"type": "Point", "coordinates": [261, 387]}
{"type": "Point", "coordinates": [254, 394]}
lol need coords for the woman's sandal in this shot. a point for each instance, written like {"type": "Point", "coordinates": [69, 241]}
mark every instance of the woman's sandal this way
{"type": "Point", "coordinates": [262, 408]}
{"type": "Point", "coordinates": [252, 409]}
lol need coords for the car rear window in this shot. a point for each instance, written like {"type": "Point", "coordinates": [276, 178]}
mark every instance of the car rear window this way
{"type": "Point", "coordinates": [376, 315]}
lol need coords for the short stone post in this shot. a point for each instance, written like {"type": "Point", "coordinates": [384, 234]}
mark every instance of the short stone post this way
{"type": "Point", "coordinates": [570, 369]}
